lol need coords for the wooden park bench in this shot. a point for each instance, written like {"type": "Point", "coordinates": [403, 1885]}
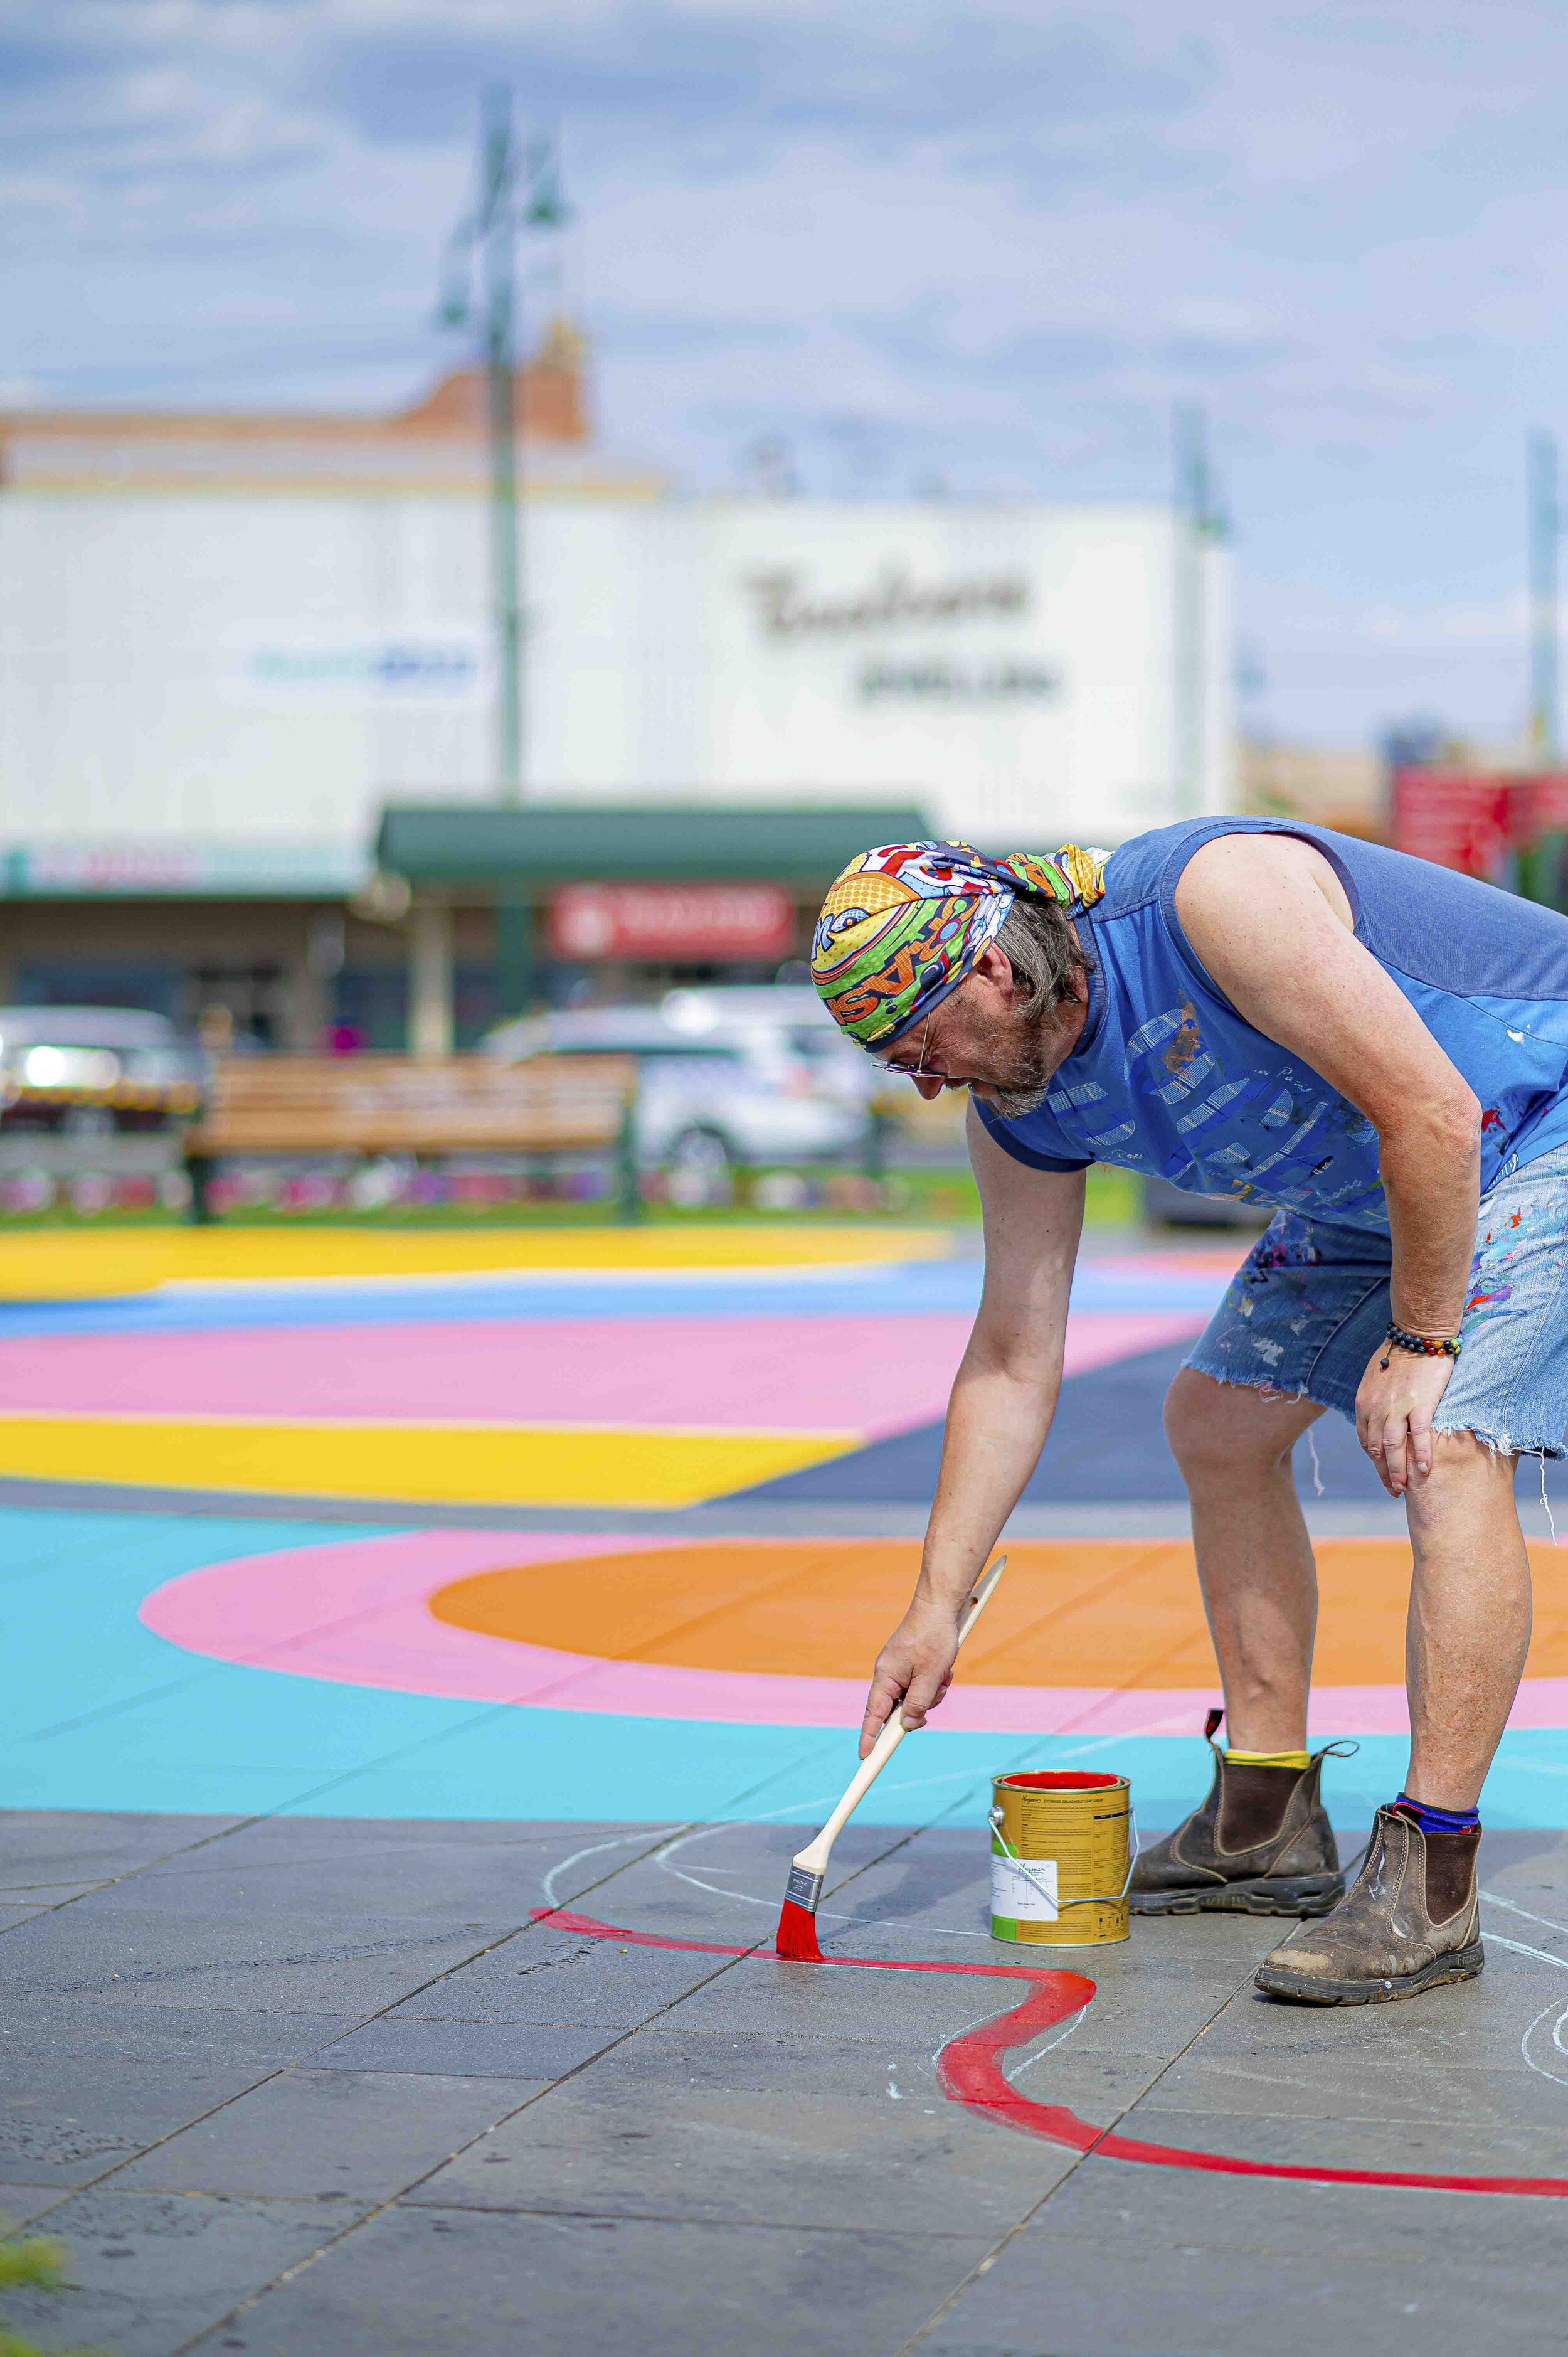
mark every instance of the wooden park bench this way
{"type": "Point", "coordinates": [370, 1104]}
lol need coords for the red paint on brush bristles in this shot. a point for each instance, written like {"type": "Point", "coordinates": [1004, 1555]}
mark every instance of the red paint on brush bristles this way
{"type": "Point", "coordinates": [970, 2067]}
{"type": "Point", "coordinates": [796, 1939]}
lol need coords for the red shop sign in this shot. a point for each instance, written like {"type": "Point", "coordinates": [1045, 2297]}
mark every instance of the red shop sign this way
{"type": "Point", "coordinates": [1468, 820]}
{"type": "Point", "coordinates": [1546, 797]}
{"type": "Point", "coordinates": [1458, 820]}
{"type": "Point", "coordinates": [672, 920]}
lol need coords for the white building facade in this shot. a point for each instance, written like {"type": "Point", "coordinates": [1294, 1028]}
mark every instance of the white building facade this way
{"type": "Point", "coordinates": [249, 676]}
{"type": "Point", "coordinates": [225, 645]}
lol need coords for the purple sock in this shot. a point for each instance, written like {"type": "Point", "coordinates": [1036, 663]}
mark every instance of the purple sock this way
{"type": "Point", "coordinates": [1439, 1821]}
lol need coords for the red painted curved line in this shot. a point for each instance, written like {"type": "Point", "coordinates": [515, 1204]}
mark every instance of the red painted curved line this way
{"type": "Point", "coordinates": [970, 2071]}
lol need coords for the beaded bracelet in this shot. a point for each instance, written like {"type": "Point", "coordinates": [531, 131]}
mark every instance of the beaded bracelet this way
{"type": "Point", "coordinates": [1426, 1346]}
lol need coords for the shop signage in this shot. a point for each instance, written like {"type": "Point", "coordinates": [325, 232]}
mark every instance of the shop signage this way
{"type": "Point", "coordinates": [1471, 821]}
{"type": "Point", "coordinates": [658, 921]}
{"type": "Point", "coordinates": [789, 608]}
{"type": "Point", "coordinates": [404, 667]}
{"type": "Point", "coordinates": [946, 683]}
{"type": "Point", "coordinates": [185, 870]}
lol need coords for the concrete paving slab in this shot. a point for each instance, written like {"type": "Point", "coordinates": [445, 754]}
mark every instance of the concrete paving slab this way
{"type": "Point", "coordinates": [340, 1964]}
{"type": "Point", "coordinates": [1462, 2145]}
{"type": "Point", "coordinates": [88, 2087]}
{"type": "Point", "coordinates": [11, 1916]}
{"type": "Point", "coordinates": [490, 1872]}
{"type": "Point", "coordinates": [546, 1974]}
{"type": "Point", "coordinates": [1470, 2025]}
{"type": "Point", "coordinates": [727, 1881]}
{"type": "Point", "coordinates": [1398, 2093]}
{"type": "Point", "coordinates": [54, 2030]}
{"type": "Point", "coordinates": [414, 2280]}
{"type": "Point", "coordinates": [824, 2133]}
{"type": "Point", "coordinates": [1131, 2261]}
{"type": "Point", "coordinates": [21, 2203]}
{"type": "Point", "coordinates": [763, 1994]}
{"type": "Point", "coordinates": [1187, 2303]}
{"type": "Point", "coordinates": [1126, 2207]}
{"type": "Point", "coordinates": [480, 2049]}
{"type": "Point", "coordinates": [363, 2133]}
{"type": "Point", "coordinates": [72, 1847]}
{"type": "Point", "coordinates": [43, 1895]}
{"type": "Point", "coordinates": [146, 2271]}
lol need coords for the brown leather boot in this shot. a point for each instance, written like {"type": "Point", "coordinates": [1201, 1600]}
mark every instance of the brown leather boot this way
{"type": "Point", "coordinates": [1260, 1844]}
{"type": "Point", "coordinates": [1410, 1922]}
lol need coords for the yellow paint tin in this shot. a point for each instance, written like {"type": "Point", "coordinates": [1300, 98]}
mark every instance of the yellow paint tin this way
{"type": "Point", "coordinates": [1060, 1858]}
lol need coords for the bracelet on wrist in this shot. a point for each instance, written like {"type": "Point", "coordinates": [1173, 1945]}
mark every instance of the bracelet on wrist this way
{"type": "Point", "coordinates": [1422, 1346]}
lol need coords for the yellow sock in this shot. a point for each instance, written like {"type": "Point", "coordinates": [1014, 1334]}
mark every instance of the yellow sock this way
{"type": "Point", "coordinates": [1271, 1758]}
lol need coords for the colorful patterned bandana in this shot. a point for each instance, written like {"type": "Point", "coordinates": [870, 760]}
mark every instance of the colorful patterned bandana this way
{"type": "Point", "coordinates": [905, 923]}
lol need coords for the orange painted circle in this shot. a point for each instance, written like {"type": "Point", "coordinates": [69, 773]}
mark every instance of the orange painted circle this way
{"type": "Point", "coordinates": [1070, 1612]}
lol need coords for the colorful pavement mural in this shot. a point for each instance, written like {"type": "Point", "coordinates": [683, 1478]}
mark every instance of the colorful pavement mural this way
{"type": "Point", "coordinates": [254, 1651]}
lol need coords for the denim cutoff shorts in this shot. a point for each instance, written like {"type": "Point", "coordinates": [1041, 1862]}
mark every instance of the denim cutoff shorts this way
{"type": "Point", "coordinates": [1310, 1304]}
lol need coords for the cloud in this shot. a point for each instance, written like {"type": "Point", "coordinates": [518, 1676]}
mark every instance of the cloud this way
{"type": "Point", "coordinates": [991, 242]}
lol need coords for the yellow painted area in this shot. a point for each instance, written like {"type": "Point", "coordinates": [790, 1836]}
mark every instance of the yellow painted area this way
{"type": "Point", "coordinates": [467, 1464]}
{"type": "Point", "coordinates": [54, 1264]}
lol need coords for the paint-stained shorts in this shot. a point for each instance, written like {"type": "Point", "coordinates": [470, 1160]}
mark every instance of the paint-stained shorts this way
{"type": "Point", "coordinates": [1310, 1303]}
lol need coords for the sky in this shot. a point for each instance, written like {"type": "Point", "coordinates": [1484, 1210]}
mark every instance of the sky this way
{"type": "Point", "coordinates": [983, 249]}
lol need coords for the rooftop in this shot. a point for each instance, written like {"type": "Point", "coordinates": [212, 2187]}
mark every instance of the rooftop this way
{"type": "Point", "coordinates": [439, 443]}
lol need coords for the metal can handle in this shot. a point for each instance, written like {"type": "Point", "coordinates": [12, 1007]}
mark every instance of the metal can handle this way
{"type": "Point", "coordinates": [1095, 1897]}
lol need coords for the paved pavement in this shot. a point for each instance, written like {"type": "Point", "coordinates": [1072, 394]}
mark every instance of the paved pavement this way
{"type": "Point", "coordinates": [298, 2084]}
{"type": "Point", "coordinates": [387, 1880]}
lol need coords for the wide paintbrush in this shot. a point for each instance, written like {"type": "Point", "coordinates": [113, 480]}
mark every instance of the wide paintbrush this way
{"type": "Point", "coordinates": [796, 1937]}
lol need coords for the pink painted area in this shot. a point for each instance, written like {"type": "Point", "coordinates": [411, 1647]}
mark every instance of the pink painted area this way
{"type": "Point", "coordinates": [864, 1374]}
{"type": "Point", "coordinates": [356, 1612]}
{"type": "Point", "coordinates": [1218, 1261]}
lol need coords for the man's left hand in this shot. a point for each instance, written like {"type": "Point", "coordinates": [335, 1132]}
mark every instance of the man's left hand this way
{"type": "Point", "coordinates": [1394, 1408]}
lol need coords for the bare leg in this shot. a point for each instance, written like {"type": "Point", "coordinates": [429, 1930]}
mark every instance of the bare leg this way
{"type": "Point", "coordinates": [1254, 1557]}
{"type": "Point", "coordinates": [1469, 1618]}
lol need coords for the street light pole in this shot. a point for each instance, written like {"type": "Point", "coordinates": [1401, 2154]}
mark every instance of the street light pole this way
{"type": "Point", "coordinates": [1196, 523]}
{"type": "Point", "coordinates": [496, 233]}
{"type": "Point", "coordinates": [1545, 530]}
{"type": "Point", "coordinates": [517, 188]}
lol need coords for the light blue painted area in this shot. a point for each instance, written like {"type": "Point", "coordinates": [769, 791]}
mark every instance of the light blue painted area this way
{"type": "Point", "coordinates": [100, 1714]}
{"type": "Point", "coordinates": [914, 1288]}
{"type": "Point", "coordinates": [70, 1585]}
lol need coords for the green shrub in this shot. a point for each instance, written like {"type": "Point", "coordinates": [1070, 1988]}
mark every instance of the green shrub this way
{"type": "Point", "coordinates": [35, 2265]}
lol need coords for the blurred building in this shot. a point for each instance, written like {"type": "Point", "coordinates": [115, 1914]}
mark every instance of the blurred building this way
{"type": "Point", "coordinates": [229, 643]}
{"type": "Point", "coordinates": [1343, 787]}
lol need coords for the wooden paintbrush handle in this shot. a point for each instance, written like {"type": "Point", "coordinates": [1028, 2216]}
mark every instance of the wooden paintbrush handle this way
{"type": "Point", "coordinates": [981, 1596]}
{"type": "Point", "coordinates": [814, 1858]}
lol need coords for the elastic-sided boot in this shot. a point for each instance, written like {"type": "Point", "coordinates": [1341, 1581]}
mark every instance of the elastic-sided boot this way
{"type": "Point", "coordinates": [1260, 1844]}
{"type": "Point", "coordinates": [1410, 1922]}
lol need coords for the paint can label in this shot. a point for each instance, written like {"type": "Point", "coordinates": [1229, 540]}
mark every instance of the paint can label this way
{"type": "Point", "coordinates": [1059, 1846]}
{"type": "Point", "coordinates": [1024, 1892]}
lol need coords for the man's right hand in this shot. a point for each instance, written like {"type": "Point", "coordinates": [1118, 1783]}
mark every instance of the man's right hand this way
{"type": "Point", "coordinates": [914, 1669]}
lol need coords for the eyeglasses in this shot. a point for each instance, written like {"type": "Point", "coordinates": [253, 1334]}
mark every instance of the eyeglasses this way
{"type": "Point", "coordinates": [919, 1070]}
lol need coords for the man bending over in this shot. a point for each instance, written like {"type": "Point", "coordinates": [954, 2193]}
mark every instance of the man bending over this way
{"type": "Point", "coordinates": [1380, 1048]}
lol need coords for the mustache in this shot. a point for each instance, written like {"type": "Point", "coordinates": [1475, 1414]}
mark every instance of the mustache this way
{"type": "Point", "coordinates": [1014, 1103]}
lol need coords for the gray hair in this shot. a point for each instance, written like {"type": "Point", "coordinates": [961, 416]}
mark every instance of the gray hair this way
{"type": "Point", "coordinates": [1039, 944]}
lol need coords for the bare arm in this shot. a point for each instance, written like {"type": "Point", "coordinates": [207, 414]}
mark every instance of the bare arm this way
{"type": "Point", "coordinates": [1002, 1400]}
{"type": "Point", "coordinates": [1268, 918]}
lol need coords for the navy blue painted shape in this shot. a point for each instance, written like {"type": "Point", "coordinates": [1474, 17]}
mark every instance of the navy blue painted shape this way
{"type": "Point", "coordinates": [1107, 1447]}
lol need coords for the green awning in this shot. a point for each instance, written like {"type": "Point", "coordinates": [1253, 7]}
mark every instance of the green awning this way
{"type": "Point", "coordinates": [527, 851]}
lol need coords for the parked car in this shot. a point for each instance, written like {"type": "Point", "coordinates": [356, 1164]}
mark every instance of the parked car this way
{"type": "Point", "coordinates": [92, 1071]}
{"type": "Point", "coordinates": [705, 1100]}
{"type": "Point", "coordinates": [803, 1025]}
{"type": "Point", "coordinates": [927, 1131]}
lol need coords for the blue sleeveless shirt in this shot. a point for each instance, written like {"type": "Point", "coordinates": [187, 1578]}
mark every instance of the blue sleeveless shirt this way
{"type": "Point", "coordinates": [1166, 1077]}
